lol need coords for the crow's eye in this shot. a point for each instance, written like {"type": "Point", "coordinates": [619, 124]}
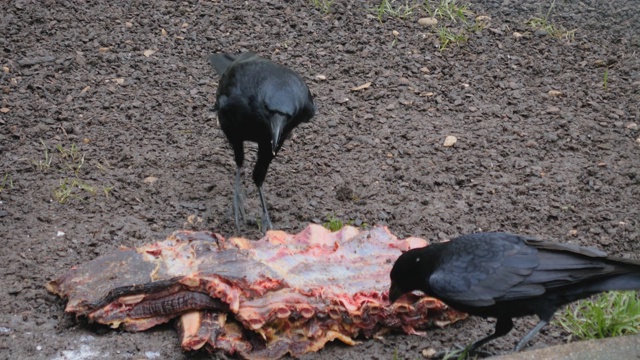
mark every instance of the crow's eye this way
{"type": "Point", "coordinates": [418, 259]}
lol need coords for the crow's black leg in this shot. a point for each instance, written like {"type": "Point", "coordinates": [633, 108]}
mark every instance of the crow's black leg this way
{"type": "Point", "coordinates": [503, 326]}
{"type": "Point", "coordinates": [266, 221]}
{"type": "Point", "coordinates": [525, 340]}
{"type": "Point", "coordinates": [238, 201]}
{"type": "Point", "coordinates": [265, 155]}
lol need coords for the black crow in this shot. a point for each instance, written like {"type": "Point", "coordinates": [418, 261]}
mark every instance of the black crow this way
{"type": "Point", "coordinates": [505, 276]}
{"type": "Point", "coordinates": [262, 102]}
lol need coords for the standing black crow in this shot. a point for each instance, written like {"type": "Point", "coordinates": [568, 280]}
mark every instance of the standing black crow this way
{"type": "Point", "coordinates": [505, 276]}
{"type": "Point", "coordinates": [262, 102]}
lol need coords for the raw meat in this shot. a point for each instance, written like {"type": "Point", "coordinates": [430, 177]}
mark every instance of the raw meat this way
{"type": "Point", "coordinates": [261, 299]}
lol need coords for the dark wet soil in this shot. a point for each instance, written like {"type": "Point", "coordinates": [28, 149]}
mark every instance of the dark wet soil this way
{"type": "Point", "coordinates": [107, 140]}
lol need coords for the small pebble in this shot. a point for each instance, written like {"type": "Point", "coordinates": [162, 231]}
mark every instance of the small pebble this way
{"type": "Point", "coordinates": [429, 353]}
{"type": "Point", "coordinates": [541, 32]}
{"type": "Point", "coordinates": [449, 141]}
{"type": "Point", "coordinates": [427, 21]}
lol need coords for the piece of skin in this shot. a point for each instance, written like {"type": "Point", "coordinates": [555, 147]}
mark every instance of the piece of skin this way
{"type": "Point", "coordinates": [505, 276]}
{"type": "Point", "coordinates": [259, 101]}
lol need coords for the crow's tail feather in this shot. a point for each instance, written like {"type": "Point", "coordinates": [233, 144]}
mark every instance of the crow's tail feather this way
{"type": "Point", "coordinates": [627, 281]}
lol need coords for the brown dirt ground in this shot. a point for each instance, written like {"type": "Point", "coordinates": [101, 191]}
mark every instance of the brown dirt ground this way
{"type": "Point", "coordinates": [77, 75]}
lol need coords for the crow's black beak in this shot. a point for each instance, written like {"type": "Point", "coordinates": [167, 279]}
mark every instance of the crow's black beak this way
{"type": "Point", "coordinates": [277, 126]}
{"type": "Point", "coordinates": [394, 293]}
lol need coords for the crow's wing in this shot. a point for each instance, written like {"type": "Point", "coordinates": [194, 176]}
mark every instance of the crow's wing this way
{"type": "Point", "coordinates": [221, 62]}
{"type": "Point", "coordinates": [565, 264]}
{"type": "Point", "coordinates": [293, 100]}
{"type": "Point", "coordinates": [569, 248]}
{"type": "Point", "coordinates": [478, 269]}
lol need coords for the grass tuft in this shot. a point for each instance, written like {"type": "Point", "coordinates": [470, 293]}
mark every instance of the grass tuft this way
{"type": "Point", "coordinates": [71, 189]}
{"type": "Point", "coordinates": [606, 315]}
{"type": "Point", "coordinates": [7, 182]}
{"type": "Point", "coordinates": [69, 161]}
{"type": "Point", "coordinates": [544, 23]}
{"type": "Point", "coordinates": [73, 159]}
{"type": "Point", "coordinates": [43, 165]}
{"type": "Point", "coordinates": [323, 5]}
{"type": "Point", "coordinates": [393, 8]}
{"type": "Point", "coordinates": [448, 10]}
{"type": "Point", "coordinates": [333, 223]}
{"type": "Point", "coordinates": [448, 37]}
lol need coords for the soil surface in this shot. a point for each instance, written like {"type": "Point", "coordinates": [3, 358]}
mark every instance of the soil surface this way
{"type": "Point", "coordinates": [107, 140]}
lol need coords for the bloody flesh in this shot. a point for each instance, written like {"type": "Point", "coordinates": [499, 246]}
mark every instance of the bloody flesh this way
{"type": "Point", "coordinates": [261, 299]}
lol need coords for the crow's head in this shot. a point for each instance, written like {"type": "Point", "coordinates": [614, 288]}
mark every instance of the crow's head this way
{"type": "Point", "coordinates": [407, 274]}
